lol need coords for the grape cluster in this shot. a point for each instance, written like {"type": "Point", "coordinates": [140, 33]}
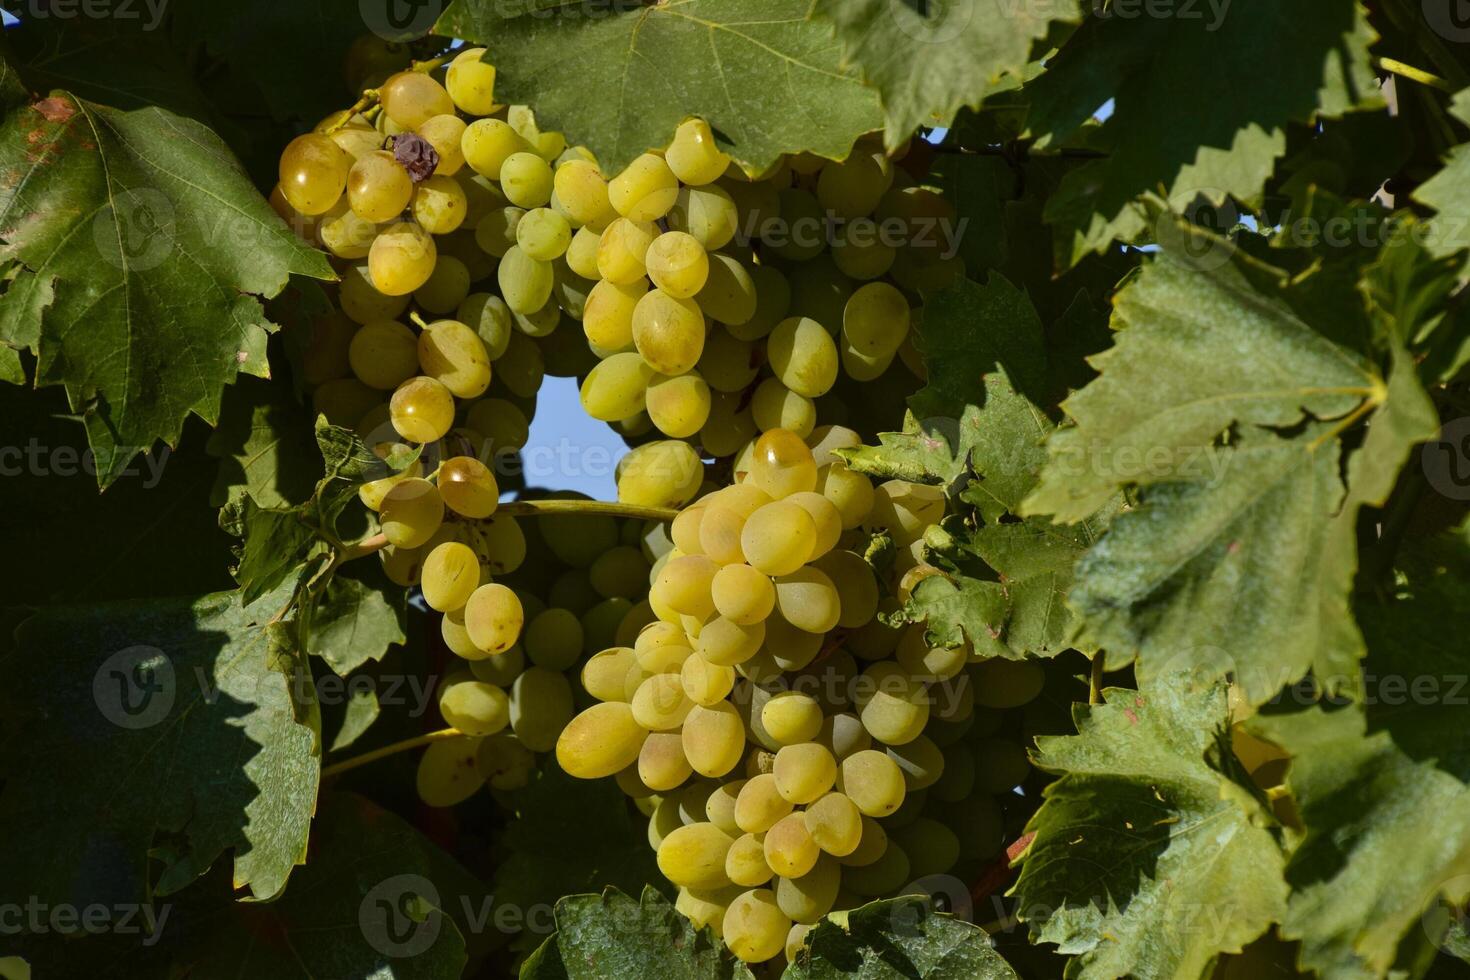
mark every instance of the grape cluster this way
{"type": "Point", "coordinates": [793, 752]}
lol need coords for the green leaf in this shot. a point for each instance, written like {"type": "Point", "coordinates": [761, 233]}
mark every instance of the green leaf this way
{"type": "Point", "coordinates": [768, 80]}
{"type": "Point", "coordinates": [152, 246]}
{"type": "Point", "coordinates": [928, 61]}
{"type": "Point", "coordinates": [897, 938]}
{"type": "Point", "coordinates": [1382, 789]}
{"type": "Point", "coordinates": [1446, 191]}
{"type": "Point", "coordinates": [1149, 860]}
{"type": "Point", "coordinates": [1259, 68]}
{"type": "Point", "coordinates": [962, 608]}
{"type": "Point", "coordinates": [177, 722]}
{"type": "Point", "coordinates": [264, 442]}
{"type": "Point", "coordinates": [360, 712]}
{"type": "Point", "coordinates": [611, 935]}
{"type": "Point", "coordinates": [356, 619]}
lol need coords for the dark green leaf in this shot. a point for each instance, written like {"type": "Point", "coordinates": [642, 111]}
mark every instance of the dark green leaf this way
{"type": "Point", "coordinates": [355, 619]}
{"type": "Point", "coordinates": [264, 441]}
{"type": "Point", "coordinates": [897, 939]}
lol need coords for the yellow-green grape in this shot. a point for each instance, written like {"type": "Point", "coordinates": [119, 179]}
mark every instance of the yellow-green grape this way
{"type": "Point", "coordinates": [470, 82]}
{"type": "Point", "coordinates": [401, 259]}
{"type": "Point", "coordinates": [804, 771]}
{"type": "Point", "coordinates": [468, 487]}
{"type": "Point", "coordinates": [521, 369]}
{"type": "Point", "coordinates": [615, 389]}
{"type": "Point", "coordinates": [378, 188]}
{"type": "Point", "coordinates": [313, 173]}
{"type": "Point", "coordinates": [383, 354]}
{"type": "Point", "coordinates": [856, 586]}
{"type": "Point", "coordinates": [457, 638]}
{"type": "Point", "coordinates": [543, 234]}
{"type": "Point", "coordinates": [853, 187]}
{"type": "Point", "coordinates": [439, 205]}
{"type": "Point", "coordinates": [719, 806]}
{"type": "Point", "coordinates": [422, 409]}
{"type": "Point", "coordinates": [1007, 683]}
{"type": "Point", "coordinates": [623, 248]}
{"type": "Point", "coordinates": [661, 763]}
{"type": "Point", "coordinates": [447, 286]}
{"type": "Point", "coordinates": [618, 572]}
{"type": "Point", "coordinates": [453, 354]}
{"type": "Point", "coordinates": [729, 426]}
{"type": "Point", "coordinates": [645, 190]}
{"type": "Point", "coordinates": [803, 356]}
{"type": "Point", "coordinates": [872, 844]}
{"type": "Point", "coordinates": [410, 513]}
{"type": "Point", "coordinates": [693, 156]}
{"type": "Point", "coordinates": [872, 781]}
{"type": "Point", "coordinates": [694, 856]}
{"type": "Point", "coordinates": [660, 474]}
{"type": "Point", "coordinates": [505, 763]}
{"type": "Point", "coordinates": [835, 824]}
{"type": "Point", "coordinates": [790, 850]}
{"type": "Point", "coordinates": [526, 180]}
{"type": "Point", "coordinates": [344, 234]}
{"type": "Point", "coordinates": [692, 799]}
{"type": "Point", "coordinates": [930, 664]}
{"type": "Point", "coordinates": [809, 897]}
{"type": "Point", "coordinates": [600, 741]}
{"type": "Point", "coordinates": [553, 639]}
{"type": "Point", "coordinates": [447, 774]}
{"type": "Point", "coordinates": [474, 707]}
{"type": "Point", "coordinates": [411, 98]}
{"type": "Point", "coordinates": [357, 141]}
{"type": "Point", "coordinates": [796, 940]}
{"type": "Point", "coordinates": [502, 546]}
{"type": "Point", "coordinates": [662, 648]}
{"type": "Point", "coordinates": [524, 282]}
{"type": "Point", "coordinates": [825, 439]}
{"type": "Point", "coordinates": [705, 907]}
{"type": "Point", "coordinates": [706, 684]}
{"type": "Point", "coordinates": [742, 594]}
{"type": "Point", "coordinates": [497, 232]}
{"type": "Point", "coordinates": [605, 674]}
{"type": "Point", "coordinates": [850, 492]}
{"type": "Point", "coordinates": [754, 927]}
{"type": "Point", "coordinates": [713, 735]}
{"type": "Point", "coordinates": [451, 574]}
{"type": "Point", "coordinates": [802, 233]}
{"type": "Point", "coordinates": [540, 708]}
{"type": "Point", "coordinates": [760, 805]}
{"type": "Point", "coordinates": [876, 319]}
{"type": "Point", "coordinates": [724, 519]}
{"type": "Point", "coordinates": [777, 539]}
{"type": "Point", "coordinates": [372, 492]}
{"type": "Point", "coordinates": [581, 254]}
{"type": "Point", "coordinates": [660, 704]}
{"type": "Point", "coordinates": [863, 367]}
{"type": "Point", "coordinates": [446, 135]}
{"type": "Point", "coordinates": [775, 406]}
{"type": "Point", "coordinates": [772, 295]}
{"type": "Point", "coordinates": [791, 717]}
{"type": "Point", "coordinates": [582, 191]}
{"type": "Point", "coordinates": [860, 253]}
{"type": "Point", "coordinates": [708, 213]}
{"type": "Point", "coordinates": [727, 364]}
{"type": "Point", "coordinates": [781, 464]}
{"type": "Point", "coordinates": [677, 264]}
{"type": "Point", "coordinates": [678, 406]}
{"type": "Point", "coordinates": [893, 705]}
{"type": "Point", "coordinates": [668, 332]}
{"type": "Point", "coordinates": [607, 319]}
{"type": "Point", "coordinates": [745, 862]}
{"type": "Point", "coordinates": [826, 518]}
{"type": "Point", "coordinates": [493, 616]}
{"type": "Point", "coordinates": [885, 875]}
{"type": "Point", "coordinates": [729, 644]}
{"type": "Point", "coordinates": [402, 565]}
{"type": "Point", "coordinates": [684, 529]}
{"type": "Point", "coordinates": [488, 143]}
{"type": "Point", "coordinates": [844, 734]}
{"type": "Point", "coordinates": [906, 509]}
{"type": "Point", "coordinates": [547, 145]}
{"type": "Point", "coordinates": [683, 584]}
{"type": "Point", "coordinates": [922, 763]}
{"type": "Point", "coordinates": [664, 819]}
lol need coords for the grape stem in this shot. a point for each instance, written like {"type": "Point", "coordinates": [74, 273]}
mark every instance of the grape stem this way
{"type": "Point", "coordinates": [1094, 684]}
{"type": "Point", "coordinates": [1396, 67]}
{"type": "Point", "coordinates": [530, 508]}
{"type": "Point", "coordinates": [370, 96]}
{"type": "Point", "coordinates": [418, 741]}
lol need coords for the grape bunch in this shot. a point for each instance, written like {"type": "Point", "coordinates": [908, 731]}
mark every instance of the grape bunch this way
{"type": "Point", "coordinates": [794, 754]}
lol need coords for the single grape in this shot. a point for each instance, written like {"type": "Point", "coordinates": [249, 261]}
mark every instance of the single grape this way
{"type": "Point", "coordinates": [678, 406]}
{"type": "Point", "coordinates": [401, 259]}
{"type": "Point", "coordinates": [384, 354]}
{"type": "Point", "coordinates": [660, 474]}
{"type": "Point", "coordinates": [668, 332]}
{"type": "Point", "coordinates": [645, 191]}
{"type": "Point", "coordinates": [754, 927]}
{"type": "Point", "coordinates": [729, 426]}
{"type": "Point", "coordinates": [615, 389]}
{"type": "Point", "coordinates": [447, 286]}
{"type": "Point", "coordinates": [623, 249]}
{"type": "Point", "coordinates": [790, 850]}
{"type": "Point", "coordinates": [411, 512]}
{"type": "Point", "coordinates": [742, 594]}
{"type": "Point", "coordinates": [446, 135]}
{"type": "Point", "coordinates": [493, 616]}
{"type": "Point", "coordinates": [745, 863]}
{"type": "Point", "coordinates": [803, 356]}
{"type": "Point", "coordinates": [543, 234]}
{"type": "Point", "coordinates": [581, 254]}
{"type": "Point", "coordinates": [540, 708]}
{"type": "Point", "coordinates": [760, 805]}
{"type": "Point", "coordinates": [505, 763]}
{"type": "Point", "coordinates": [694, 856]}
{"type": "Point", "coordinates": [713, 735]}
{"type": "Point", "coordinates": [582, 191]}
{"type": "Point", "coordinates": [677, 264]}
{"type": "Point", "coordinates": [693, 156]}
{"type": "Point", "coordinates": [660, 704]}
{"type": "Point", "coordinates": [778, 538]}
{"type": "Point", "coordinates": [470, 81]}
{"type": "Point", "coordinates": [835, 824]}
{"type": "Point", "coordinates": [781, 464]}
{"type": "Point", "coordinates": [807, 898]}
{"type": "Point", "coordinates": [729, 644]}
{"type": "Point", "coordinates": [553, 639]}
{"type": "Point", "coordinates": [728, 364]}
{"type": "Point", "coordinates": [447, 772]}
{"type": "Point", "coordinates": [525, 282]}
{"type": "Point", "coordinates": [775, 406]}
{"type": "Point", "coordinates": [708, 213]}
{"type": "Point", "coordinates": [526, 180]}
{"type": "Point", "coordinates": [422, 409]}
{"type": "Point", "coordinates": [313, 173]}
{"type": "Point", "coordinates": [473, 706]}
{"type": "Point", "coordinates": [872, 781]}
{"type": "Point", "coordinates": [791, 717]}
{"type": "Point", "coordinates": [440, 205]}
{"type": "Point", "coordinates": [344, 234]}
{"type": "Point", "coordinates": [852, 188]}
{"type": "Point", "coordinates": [451, 574]}
{"type": "Point", "coordinates": [378, 187]}
{"type": "Point", "coordinates": [600, 741]}
{"type": "Point", "coordinates": [468, 487]}
{"type": "Point", "coordinates": [454, 355]}
{"type": "Point", "coordinates": [705, 683]}
{"type": "Point", "coordinates": [661, 763]}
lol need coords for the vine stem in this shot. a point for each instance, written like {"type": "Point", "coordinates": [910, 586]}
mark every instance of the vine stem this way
{"type": "Point", "coordinates": [1396, 67]}
{"type": "Point", "coordinates": [418, 741]}
{"type": "Point", "coordinates": [1094, 683]}
{"type": "Point", "coordinates": [532, 508]}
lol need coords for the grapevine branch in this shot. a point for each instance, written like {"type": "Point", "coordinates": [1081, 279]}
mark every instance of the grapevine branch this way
{"type": "Point", "coordinates": [1396, 67]}
{"type": "Point", "coordinates": [418, 741]}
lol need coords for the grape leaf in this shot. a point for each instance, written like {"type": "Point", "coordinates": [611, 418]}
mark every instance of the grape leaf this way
{"type": "Point", "coordinates": [1147, 860]}
{"type": "Point", "coordinates": [767, 79]}
{"type": "Point", "coordinates": [357, 616]}
{"type": "Point", "coordinates": [958, 608]}
{"type": "Point", "coordinates": [1382, 788]}
{"type": "Point", "coordinates": [264, 442]}
{"type": "Point", "coordinates": [142, 243]}
{"type": "Point", "coordinates": [168, 721]}
{"type": "Point", "coordinates": [897, 938]}
{"type": "Point", "coordinates": [611, 935]}
{"type": "Point", "coordinates": [929, 60]}
{"type": "Point", "coordinates": [1259, 69]}
{"type": "Point", "coordinates": [1445, 192]}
